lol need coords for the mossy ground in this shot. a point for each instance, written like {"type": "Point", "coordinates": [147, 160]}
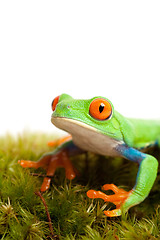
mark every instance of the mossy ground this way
{"type": "Point", "coordinates": [73, 215]}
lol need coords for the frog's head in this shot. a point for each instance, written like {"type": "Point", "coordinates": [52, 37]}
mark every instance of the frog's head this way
{"type": "Point", "coordinates": [96, 114]}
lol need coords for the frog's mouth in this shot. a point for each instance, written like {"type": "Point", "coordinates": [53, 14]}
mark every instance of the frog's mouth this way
{"type": "Point", "coordinates": [69, 125]}
{"type": "Point", "coordinates": [87, 137]}
{"type": "Point", "coordinates": [74, 126]}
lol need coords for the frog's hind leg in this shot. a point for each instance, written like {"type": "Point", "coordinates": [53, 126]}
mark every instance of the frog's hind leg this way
{"type": "Point", "coordinates": [60, 141]}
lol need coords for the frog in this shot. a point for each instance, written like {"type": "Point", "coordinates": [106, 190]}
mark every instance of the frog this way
{"type": "Point", "coordinates": [95, 126]}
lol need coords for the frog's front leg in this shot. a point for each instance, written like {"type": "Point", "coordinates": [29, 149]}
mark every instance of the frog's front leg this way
{"type": "Point", "coordinates": [146, 176]}
{"type": "Point", "coordinates": [51, 161]}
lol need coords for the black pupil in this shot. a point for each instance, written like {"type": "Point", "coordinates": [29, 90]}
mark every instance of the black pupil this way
{"type": "Point", "coordinates": [101, 107]}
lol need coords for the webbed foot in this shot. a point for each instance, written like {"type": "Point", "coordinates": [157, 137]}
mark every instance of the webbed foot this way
{"type": "Point", "coordinates": [118, 198]}
{"type": "Point", "coordinates": [50, 163]}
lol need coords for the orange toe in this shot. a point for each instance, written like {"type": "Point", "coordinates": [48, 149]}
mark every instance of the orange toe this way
{"type": "Point", "coordinates": [113, 213]}
{"type": "Point", "coordinates": [92, 194]}
{"type": "Point", "coordinates": [70, 175]}
{"type": "Point", "coordinates": [46, 184]}
{"type": "Point", "coordinates": [118, 198]}
{"type": "Point", "coordinates": [52, 144]}
{"type": "Point", "coordinates": [107, 198]}
{"type": "Point", "coordinates": [27, 164]}
{"type": "Point", "coordinates": [97, 194]}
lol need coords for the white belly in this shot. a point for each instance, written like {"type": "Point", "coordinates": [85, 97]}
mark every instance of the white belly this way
{"type": "Point", "coordinates": [87, 138]}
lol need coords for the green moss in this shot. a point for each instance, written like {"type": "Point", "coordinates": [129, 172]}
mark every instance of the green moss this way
{"type": "Point", "coordinates": [73, 215]}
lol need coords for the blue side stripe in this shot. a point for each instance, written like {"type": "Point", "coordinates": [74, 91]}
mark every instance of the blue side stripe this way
{"type": "Point", "coordinates": [131, 153]}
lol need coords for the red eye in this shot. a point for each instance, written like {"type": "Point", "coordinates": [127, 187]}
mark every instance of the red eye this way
{"type": "Point", "coordinates": [54, 103]}
{"type": "Point", "coordinates": [100, 109]}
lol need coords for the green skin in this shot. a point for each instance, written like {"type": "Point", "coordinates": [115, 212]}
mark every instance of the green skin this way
{"type": "Point", "coordinates": [125, 137]}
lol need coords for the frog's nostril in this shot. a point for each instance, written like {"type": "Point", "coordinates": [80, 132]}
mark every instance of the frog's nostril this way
{"type": "Point", "coordinates": [54, 103]}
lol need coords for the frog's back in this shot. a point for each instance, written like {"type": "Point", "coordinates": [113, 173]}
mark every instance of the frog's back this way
{"type": "Point", "coordinates": [145, 132]}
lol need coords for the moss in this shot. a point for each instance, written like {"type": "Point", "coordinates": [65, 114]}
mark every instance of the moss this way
{"type": "Point", "coordinates": [73, 215]}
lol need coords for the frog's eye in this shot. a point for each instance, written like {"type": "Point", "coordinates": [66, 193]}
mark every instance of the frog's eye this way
{"type": "Point", "coordinates": [100, 109]}
{"type": "Point", "coordinates": [54, 103]}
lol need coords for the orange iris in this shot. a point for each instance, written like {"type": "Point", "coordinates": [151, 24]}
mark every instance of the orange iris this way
{"type": "Point", "coordinates": [100, 109]}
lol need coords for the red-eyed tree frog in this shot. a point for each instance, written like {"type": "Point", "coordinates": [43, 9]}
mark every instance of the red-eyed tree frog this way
{"type": "Point", "coordinates": [95, 126]}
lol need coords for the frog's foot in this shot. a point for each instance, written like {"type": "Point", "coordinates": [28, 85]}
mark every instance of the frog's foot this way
{"type": "Point", "coordinates": [59, 141]}
{"type": "Point", "coordinates": [50, 163]}
{"type": "Point", "coordinates": [118, 198]}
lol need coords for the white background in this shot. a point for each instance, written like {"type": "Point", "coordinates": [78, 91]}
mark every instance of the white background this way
{"type": "Point", "coordinates": [83, 48]}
